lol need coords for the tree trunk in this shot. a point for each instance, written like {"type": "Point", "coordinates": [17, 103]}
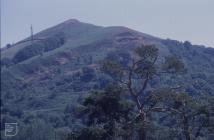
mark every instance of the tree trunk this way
{"type": "Point", "coordinates": [142, 134]}
{"type": "Point", "coordinates": [143, 129]}
{"type": "Point", "coordinates": [187, 136]}
{"type": "Point", "coordinates": [186, 128]}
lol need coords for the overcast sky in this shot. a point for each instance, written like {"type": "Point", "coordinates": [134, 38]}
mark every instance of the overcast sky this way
{"type": "Point", "coordinates": [191, 20]}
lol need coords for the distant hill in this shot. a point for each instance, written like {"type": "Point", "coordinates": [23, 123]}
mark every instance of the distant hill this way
{"type": "Point", "coordinates": [42, 79]}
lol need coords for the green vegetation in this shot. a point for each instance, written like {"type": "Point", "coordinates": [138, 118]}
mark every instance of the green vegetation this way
{"type": "Point", "coordinates": [67, 86]}
{"type": "Point", "coordinates": [108, 118]}
{"type": "Point", "coordinates": [38, 48]}
{"type": "Point", "coordinates": [107, 115]}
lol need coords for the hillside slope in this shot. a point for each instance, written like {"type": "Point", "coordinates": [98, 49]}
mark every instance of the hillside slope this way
{"type": "Point", "coordinates": [43, 79]}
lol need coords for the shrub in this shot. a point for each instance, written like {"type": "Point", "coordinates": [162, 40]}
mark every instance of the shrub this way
{"type": "Point", "coordinates": [39, 47]}
{"type": "Point", "coordinates": [88, 74]}
{"type": "Point", "coordinates": [6, 62]}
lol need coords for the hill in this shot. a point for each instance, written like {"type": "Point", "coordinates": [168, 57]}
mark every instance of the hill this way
{"type": "Point", "coordinates": [47, 78]}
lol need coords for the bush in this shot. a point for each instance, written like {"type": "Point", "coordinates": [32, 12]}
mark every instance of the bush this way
{"type": "Point", "coordinates": [38, 48]}
{"type": "Point", "coordinates": [28, 52]}
{"type": "Point", "coordinates": [6, 62]}
{"type": "Point", "coordinates": [88, 74]}
{"type": "Point", "coordinates": [121, 56]}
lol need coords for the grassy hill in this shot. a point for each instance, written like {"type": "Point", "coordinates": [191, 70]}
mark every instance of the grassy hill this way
{"type": "Point", "coordinates": [47, 79]}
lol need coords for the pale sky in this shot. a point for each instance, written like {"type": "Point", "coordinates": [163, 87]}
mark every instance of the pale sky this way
{"type": "Point", "coordinates": [182, 20]}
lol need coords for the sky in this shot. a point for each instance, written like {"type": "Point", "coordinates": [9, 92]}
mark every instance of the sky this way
{"type": "Point", "coordinates": [191, 20]}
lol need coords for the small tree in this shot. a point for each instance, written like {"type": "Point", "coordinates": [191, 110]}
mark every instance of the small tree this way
{"type": "Point", "coordinates": [8, 45]}
{"type": "Point", "coordinates": [107, 115]}
{"type": "Point", "coordinates": [191, 115]}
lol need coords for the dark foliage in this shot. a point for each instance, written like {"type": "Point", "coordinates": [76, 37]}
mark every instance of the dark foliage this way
{"type": "Point", "coordinates": [38, 48]}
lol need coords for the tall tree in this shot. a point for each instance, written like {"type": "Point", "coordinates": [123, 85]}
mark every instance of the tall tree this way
{"type": "Point", "coordinates": [135, 74]}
